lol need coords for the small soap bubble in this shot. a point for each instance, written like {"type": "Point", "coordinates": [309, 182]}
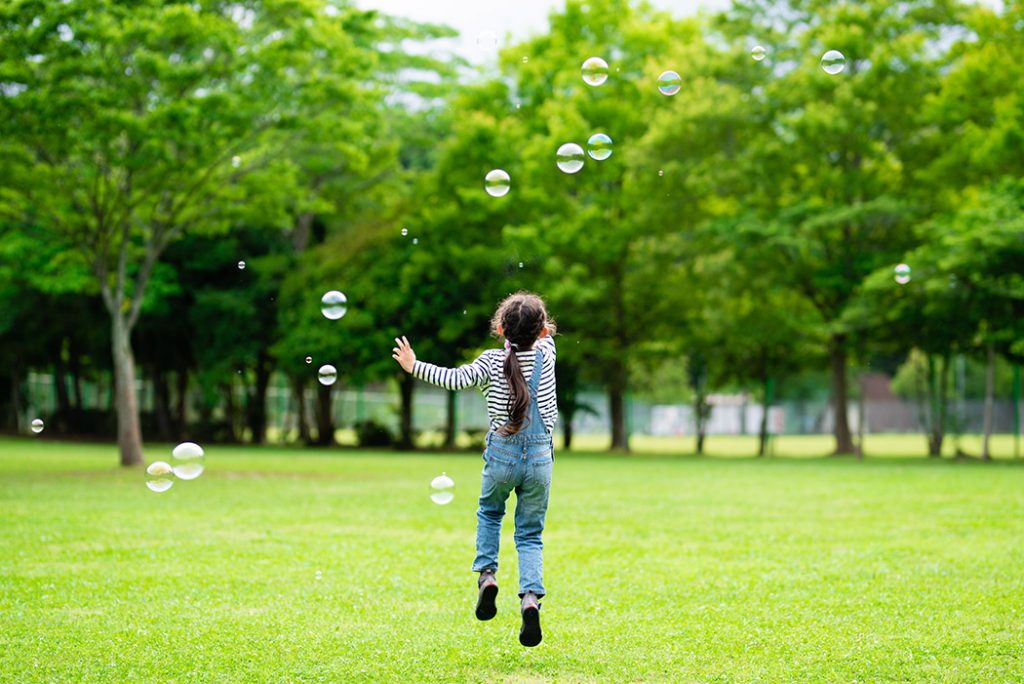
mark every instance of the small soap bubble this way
{"type": "Point", "coordinates": [902, 274]}
{"type": "Point", "coordinates": [487, 40]}
{"type": "Point", "coordinates": [405, 231]}
{"type": "Point", "coordinates": [669, 83]}
{"type": "Point", "coordinates": [833, 62]}
{"type": "Point", "coordinates": [594, 71]}
{"type": "Point", "coordinates": [309, 359]}
{"type": "Point", "coordinates": [333, 305]}
{"type": "Point", "coordinates": [415, 241]}
{"type": "Point", "coordinates": [497, 183]}
{"type": "Point", "coordinates": [661, 172]}
{"type": "Point", "coordinates": [442, 489]}
{"type": "Point", "coordinates": [319, 575]}
{"type": "Point", "coordinates": [525, 59]}
{"type": "Point", "coordinates": [569, 158]}
{"type": "Point", "coordinates": [37, 425]}
{"type": "Point", "coordinates": [241, 265]}
{"type": "Point", "coordinates": [327, 375]}
{"type": "Point", "coordinates": [599, 146]}
{"type": "Point", "coordinates": [236, 161]}
{"type": "Point", "coordinates": [520, 264]}
{"type": "Point", "coordinates": [188, 459]}
{"type": "Point", "coordinates": [159, 476]}
{"type": "Point", "coordinates": [758, 52]}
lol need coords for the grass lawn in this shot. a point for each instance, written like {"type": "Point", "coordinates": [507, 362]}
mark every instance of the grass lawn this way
{"type": "Point", "coordinates": [658, 569]}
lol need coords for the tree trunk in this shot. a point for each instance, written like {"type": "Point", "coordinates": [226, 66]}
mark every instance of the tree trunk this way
{"type": "Point", "coordinates": [938, 384]}
{"type": "Point", "coordinates": [60, 385]}
{"type": "Point", "coordinates": [162, 403]}
{"type": "Point", "coordinates": [303, 227]}
{"type": "Point", "coordinates": [617, 413]}
{"type": "Point", "coordinates": [229, 411]}
{"type": "Point", "coordinates": [126, 402]}
{"type": "Point", "coordinates": [451, 420]}
{"type": "Point", "coordinates": [17, 405]}
{"type": "Point", "coordinates": [299, 390]}
{"type": "Point", "coordinates": [406, 386]}
{"type": "Point", "coordinates": [324, 416]}
{"type": "Point", "coordinates": [256, 408]}
{"type": "Point", "coordinates": [75, 367]}
{"type": "Point", "coordinates": [861, 417]}
{"type": "Point", "coordinates": [567, 431]}
{"type": "Point", "coordinates": [762, 435]}
{"type": "Point", "coordinates": [990, 382]}
{"type": "Point", "coordinates": [181, 410]}
{"type": "Point", "coordinates": [837, 360]}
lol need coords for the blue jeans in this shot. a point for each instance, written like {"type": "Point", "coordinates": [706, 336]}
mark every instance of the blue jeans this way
{"type": "Point", "coordinates": [522, 463]}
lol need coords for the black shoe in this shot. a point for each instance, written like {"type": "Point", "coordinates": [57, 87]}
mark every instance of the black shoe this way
{"type": "Point", "coordinates": [488, 586]}
{"type": "Point", "coordinates": [529, 633]}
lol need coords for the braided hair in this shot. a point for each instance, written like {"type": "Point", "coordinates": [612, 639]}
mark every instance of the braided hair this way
{"type": "Point", "coordinates": [521, 318]}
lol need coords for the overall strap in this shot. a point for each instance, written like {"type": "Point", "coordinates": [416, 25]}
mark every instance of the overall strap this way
{"type": "Point", "coordinates": [538, 364]}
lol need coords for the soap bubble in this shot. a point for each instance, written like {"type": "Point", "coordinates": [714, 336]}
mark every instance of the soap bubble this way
{"type": "Point", "coordinates": [415, 241]}
{"type": "Point", "coordinates": [241, 265]}
{"type": "Point", "coordinates": [599, 146]}
{"type": "Point", "coordinates": [333, 305]}
{"type": "Point", "coordinates": [595, 71]}
{"type": "Point", "coordinates": [833, 62]}
{"type": "Point", "coordinates": [319, 575]}
{"type": "Point", "coordinates": [236, 161]}
{"type": "Point", "coordinates": [405, 231]}
{"type": "Point", "coordinates": [520, 264]}
{"type": "Point", "coordinates": [525, 59]}
{"type": "Point", "coordinates": [569, 158]}
{"type": "Point", "coordinates": [442, 489]}
{"type": "Point", "coordinates": [661, 172]}
{"type": "Point", "coordinates": [758, 52]}
{"type": "Point", "coordinates": [327, 374]}
{"type": "Point", "coordinates": [496, 183]}
{"type": "Point", "coordinates": [487, 40]}
{"type": "Point", "coordinates": [37, 425]}
{"type": "Point", "coordinates": [159, 476]}
{"type": "Point", "coordinates": [669, 83]}
{"type": "Point", "coordinates": [309, 359]}
{"type": "Point", "coordinates": [188, 458]}
{"type": "Point", "coordinates": [902, 274]}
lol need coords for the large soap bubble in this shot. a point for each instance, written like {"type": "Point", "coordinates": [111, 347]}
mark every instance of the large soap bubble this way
{"type": "Point", "coordinates": [669, 83]}
{"type": "Point", "coordinates": [833, 62]}
{"type": "Point", "coordinates": [442, 489]}
{"type": "Point", "coordinates": [333, 305]}
{"type": "Point", "coordinates": [569, 158]}
{"type": "Point", "coordinates": [599, 146]}
{"type": "Point", "coordinates": [327, 375]}
{"type": "Point", "coordinates": [37, 425]}
{"type": "Point", "coordinates": [594, 71]}
{"type": "Point", "coordinates": [497, 183]}
{"type": "Point", "coordinates": [188, 459]}
{"type": "Point", "coordinates": [758, 52]}
{"type": "Point", "coordinates": [159, 476]}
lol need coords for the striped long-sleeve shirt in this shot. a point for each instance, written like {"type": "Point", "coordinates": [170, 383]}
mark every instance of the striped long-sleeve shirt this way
{"type": "Point", "coordinates": [487, 373]}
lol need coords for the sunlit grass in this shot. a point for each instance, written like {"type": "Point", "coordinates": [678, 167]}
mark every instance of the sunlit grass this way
{"type": "Point", "coordinates": [658, 569]}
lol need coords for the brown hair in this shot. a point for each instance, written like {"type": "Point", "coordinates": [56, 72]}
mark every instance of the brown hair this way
{"type": "Point", "coordinates": [521, 318]}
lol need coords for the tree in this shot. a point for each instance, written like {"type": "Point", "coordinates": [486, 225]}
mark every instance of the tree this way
{"type": "Point", "coordinates": [131, 125]}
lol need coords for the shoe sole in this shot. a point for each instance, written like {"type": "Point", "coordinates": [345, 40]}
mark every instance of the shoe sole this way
{"type": "Point", "coordinates": [529, 634]}
{"type": "Point", "coordinates": [485, 606]}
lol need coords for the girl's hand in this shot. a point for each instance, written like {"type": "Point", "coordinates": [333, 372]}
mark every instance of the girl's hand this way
{"type": "Point", "coordinates": [404, 354]}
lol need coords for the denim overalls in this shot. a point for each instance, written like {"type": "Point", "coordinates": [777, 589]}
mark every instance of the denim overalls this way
{"type": "Point", "coordinates": [521, 462]}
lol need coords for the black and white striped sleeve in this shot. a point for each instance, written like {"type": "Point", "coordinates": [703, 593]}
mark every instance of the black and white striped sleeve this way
{"type": "Point", "coordinates": [469, 375]}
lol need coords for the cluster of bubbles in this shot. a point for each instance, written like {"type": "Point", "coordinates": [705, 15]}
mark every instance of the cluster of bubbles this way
{"type": "Point", "coordinates": [187, 463]}
{"type": "Point", "coordinates": [442, 489]}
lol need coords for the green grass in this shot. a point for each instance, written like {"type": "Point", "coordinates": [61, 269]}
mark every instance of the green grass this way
{"type": "Point", "coordinates": [658, 569]}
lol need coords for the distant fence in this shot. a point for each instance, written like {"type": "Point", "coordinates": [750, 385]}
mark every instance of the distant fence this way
{"type": "Point", "coordinates": [380, 403]}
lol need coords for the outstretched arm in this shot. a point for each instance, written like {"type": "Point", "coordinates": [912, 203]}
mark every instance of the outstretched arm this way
{"type": "Point", "coordinates": [449, 378]}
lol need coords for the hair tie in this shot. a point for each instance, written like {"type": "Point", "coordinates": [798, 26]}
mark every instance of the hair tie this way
{"type": "Point", "coordinates": [511, 345]}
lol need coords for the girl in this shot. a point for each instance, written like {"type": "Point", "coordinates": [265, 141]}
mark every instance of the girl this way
{"type": "Point", "coordinates": [519, 385]}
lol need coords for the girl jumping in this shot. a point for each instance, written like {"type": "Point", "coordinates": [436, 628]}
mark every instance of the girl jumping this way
{"type": "Point", "coordinates": [518, 383]}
